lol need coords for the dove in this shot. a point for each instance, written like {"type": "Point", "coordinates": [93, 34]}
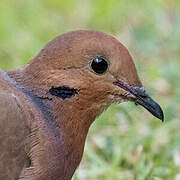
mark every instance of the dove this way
{"type": "Point", "coordinates": [48, 106]}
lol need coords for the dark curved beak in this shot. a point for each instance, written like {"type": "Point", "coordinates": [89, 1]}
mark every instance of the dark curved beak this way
{"type": "Point", "coordinates": [140, 97]}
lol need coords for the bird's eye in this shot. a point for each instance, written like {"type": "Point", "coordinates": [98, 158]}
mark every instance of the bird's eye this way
{"type": "Point", "coordinates": [99, 65]}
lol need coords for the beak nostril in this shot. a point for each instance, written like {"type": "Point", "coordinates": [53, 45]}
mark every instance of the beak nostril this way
{"type": "Point", "coordinates": [139, 91]}
{"type": "Point", "coordinates": [140, 97]}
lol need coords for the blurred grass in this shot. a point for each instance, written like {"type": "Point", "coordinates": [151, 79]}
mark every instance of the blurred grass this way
{"type": "Point", "coordinates": [126, 142]}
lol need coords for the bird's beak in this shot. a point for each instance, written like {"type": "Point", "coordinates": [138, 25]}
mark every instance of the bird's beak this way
{"type": "Point", "coordinates": [140, 97]}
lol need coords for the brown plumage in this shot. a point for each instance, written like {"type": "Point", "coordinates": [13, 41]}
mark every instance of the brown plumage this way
{"type": "Point", "coordinates": [48, 105]}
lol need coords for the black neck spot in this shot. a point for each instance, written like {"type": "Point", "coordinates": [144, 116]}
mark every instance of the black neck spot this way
{"type": "Point", "coordinates": [63, 92]}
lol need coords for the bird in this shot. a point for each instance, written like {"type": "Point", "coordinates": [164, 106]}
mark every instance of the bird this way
{"type": "Point", "coordinates": [48, 105]}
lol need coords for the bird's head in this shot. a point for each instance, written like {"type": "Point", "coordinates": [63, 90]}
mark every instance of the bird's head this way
{"type": "Point", "coordinates": [90, 67]}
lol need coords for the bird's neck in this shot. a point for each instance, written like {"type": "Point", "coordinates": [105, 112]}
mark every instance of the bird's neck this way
{"type": "Point", "coordinates": [68, 120]}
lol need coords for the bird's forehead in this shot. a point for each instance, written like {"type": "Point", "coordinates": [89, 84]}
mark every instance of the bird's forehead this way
{"type": "Point", "coordinates": [121, 64]}
{"type": "Point", "coordinates": [97, 42]}
{"type": "Point", "coordinates": [86, 45]}
{"type": "Point", "coordinates": [79, 47]}
{"type": "Point", "coordinates": [101, 44]}
{"type": "Point", "coordinates": [76, 49]}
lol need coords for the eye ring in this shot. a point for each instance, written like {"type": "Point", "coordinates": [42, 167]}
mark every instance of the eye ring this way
{"type": "Point", "coordinates": [99, 65]}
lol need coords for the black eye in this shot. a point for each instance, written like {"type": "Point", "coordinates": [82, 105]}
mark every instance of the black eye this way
{"type": "Point", "coordinates": [99, 65]}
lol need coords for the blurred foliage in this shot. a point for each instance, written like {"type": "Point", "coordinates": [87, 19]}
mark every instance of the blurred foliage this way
{"type": "Point", "coordinates": [126, 142]}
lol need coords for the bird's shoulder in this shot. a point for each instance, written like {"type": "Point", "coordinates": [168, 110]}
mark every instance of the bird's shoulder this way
{"type": "Point", "coordinates": [13, 130]}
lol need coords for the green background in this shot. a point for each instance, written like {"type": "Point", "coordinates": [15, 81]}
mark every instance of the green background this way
{"type": "Point", "coordinates": [126, 142]}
